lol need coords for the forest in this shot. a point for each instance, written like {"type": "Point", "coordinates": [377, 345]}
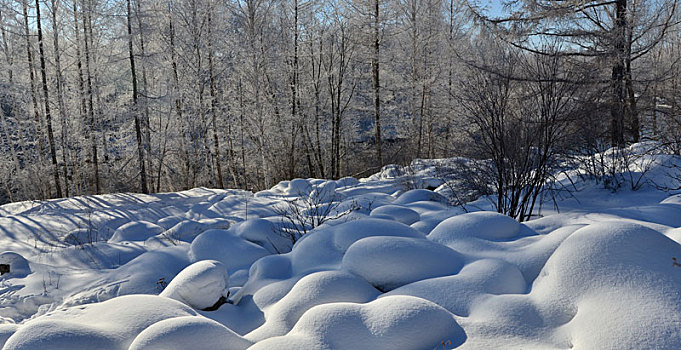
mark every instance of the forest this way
{"type": "Point", "coordinates": [158, 96]}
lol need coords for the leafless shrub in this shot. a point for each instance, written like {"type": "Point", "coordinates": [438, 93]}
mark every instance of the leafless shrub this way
{"type": "Point", "coordinates": [300, 215]}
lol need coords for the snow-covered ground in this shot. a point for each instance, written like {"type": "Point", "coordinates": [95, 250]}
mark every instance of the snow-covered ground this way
{"type": "Point", "coordinates": [384, 268]}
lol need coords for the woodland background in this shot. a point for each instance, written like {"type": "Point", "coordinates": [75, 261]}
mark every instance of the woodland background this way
{"type": "Point", "coordinates": [149, 96]}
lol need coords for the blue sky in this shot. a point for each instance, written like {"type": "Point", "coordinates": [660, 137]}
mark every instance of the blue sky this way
{"type": "Point", "coordinates": [495, 8]}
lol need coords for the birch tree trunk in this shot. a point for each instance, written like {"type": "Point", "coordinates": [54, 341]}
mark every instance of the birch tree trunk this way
{"type": "Point", "coordinates": [138, 132]}
{"type": "Point", "coordinates": [60, 98]}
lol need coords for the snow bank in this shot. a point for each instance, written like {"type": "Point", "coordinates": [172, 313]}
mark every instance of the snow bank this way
{"type": "Point", "coordinates": [6, 331]}
{"type": "Point", "coordinates": [397, 322]}
{"type": "Point", "coordinates": [187, 230]}
{"type": "Point", "coordinates": [221, 245]}
{"type": "Point", "coordinates": [397, 213]}
{"type": "Point", "coordinates": [347, 181]}
{"type": "Point", "coordinates": [295, 187]}
{"type": "Point", "coordinates": [81, 236]}
{"type": "Point", "coordinates": [189, 332]}
{"type": "Point", "coordinates": [458, 293]}
{"type": "Point", "coordinates": [263, 233]}
{"type": "Point", "coordinates": [419, 195]}
{"type": "Point", "coordinates": [314, 289]}
{"type": "Point", "coordinates": [170, 221]}
{"type": "Point", "coordinates": [391, 262]}
{"type": "Point", "coordinates": [325, 192]}
{"type": "Point", "coordinates": [609, 285]}
{"type": "Point", "coordinates": [482, 224]}
{"type": "Point", "coordinates": [200, 285]}
{"type": "Point", "coordinates": [344, 235]}
{"type": "Point", "coordinates": [299, 187]}
{"type": "Point", "coordinates": [109, 325]}
{"type": "Point", "coordinates": [144, 274]}
{"type": "Point", "coordinates": [18, 265]}
{"type": "Point", "coordinates": [604, 273]}
{"type": "Point", "coordinates": [136, 231]}
{"type": "Point", "coordinates": [676, 200]}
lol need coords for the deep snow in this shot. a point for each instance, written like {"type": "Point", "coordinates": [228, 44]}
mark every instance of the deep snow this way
{"type": "Point", "coordinates": [395, 269]}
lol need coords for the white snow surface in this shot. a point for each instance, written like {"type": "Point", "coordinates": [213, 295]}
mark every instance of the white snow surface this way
{"type": "Point", "coordinates": [200, 285]}
{"type": "Point", "coordinates": [396, 268]}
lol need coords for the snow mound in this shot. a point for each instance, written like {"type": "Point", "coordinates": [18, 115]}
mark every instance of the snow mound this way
{"type": "Point", "coordinates": [323, 248]}
{"type": "Point", "coordinates": [60, 335]}
{"type": "Point", "coordinates": [6, 331]}
{"type": "Point", "coordinates": [295, 187]}
{"type": "Point", "coordinates": [674, 234]}
{"type": "Point", "coordinates": [271, 267]}
{"type": "Point", "coordinates": [616, 255]}
{"type": "Point", "coordinates": [627, 320]}
{"type": "Point", "coordinates": [347, 181]}
{"type": "Point", "coordinates": [397, 322]}
{"type": "Point", "coordinates": [185, 231]}
{"type": "Point", "coordinates": [397, 213]}
{"type": "Point", "coordinates": [676, 199]}
{"type": "Point", "coordinates": [215, 223]}
{"type": "Point", "coordinates": [181, 333]}
{"type": "Point", "coordinates": [314, 289]}
{"type": "Point", "coordinates": [170, 221]}
{"type": "Point", "coordinates": [344, 235]}
{"type": "Point", "coordinates": [81, 236]}
{"type": "Point", "coordinates": [483, 224]}
{"type": "Point", "coordinates": [200, 285]}
{"type": "Point", "coordinates": [315, 252]}
{"type": "Point", "coordinates": [611, 253]}
{"type": "Point", "coordinates": [158, 242]}
{"type": "Point", "coordinates": [112, 324]}
{"type": "Point", "coordinates": [142, 275]}
{"type": "Point", "coordinates": [609, 285]}
{"type": "Point", "coordinates": [420, 195]}
{"type": "Point", "coordinates": [324, 192]}
{"type": "Point", "coordinates": [458, 293]}
{"type": "Point", "coordinates": [18, 265]}
{"type": "Point", "coordinates": [391, 262]}
{"type": "Point", "coordinates": [221, 245]}
{"type": "Point", "coordinates": [263, 233]}
{"type": "Point", "coordinates": [135, 231]}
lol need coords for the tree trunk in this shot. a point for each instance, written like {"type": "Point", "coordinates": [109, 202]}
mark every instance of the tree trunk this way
{"type": "Point", "coordinates": [81, 82]}
{"type": "Point", "coordinates": [213, 107]}
{"type": "Point", "coordinates": [632, 110]}
{"type": "Point", "coordinates": [178, 99]}
{"type": "Point", "coordinates": [294, 94]}
{"type": "Point", "coordinates": [618, 108]}
{"type": "Point", "coordinates": [91, 113]}
{"type": "Point", "coordinates": [138, 131]}
{"type": "Point", "coordinates": [242, 128]}
{"type": "Point", "coordinates": [376, 82]}
{"type": "Point", "coordinates": [145, 87]}
{"type": "Point", "coordinates": [316, 74]}
{"type": "Point", "coordinates": [48, 115]}
{"type": "Point", "coordinates": [60, 98]}
{"type": "Point", "coordinates": [34, 98]}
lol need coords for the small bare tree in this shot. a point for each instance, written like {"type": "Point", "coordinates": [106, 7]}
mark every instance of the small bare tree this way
{"type": "Point", "coordinates": [300, 215]}
{"type": "Point", "coordinates": [520, 111]}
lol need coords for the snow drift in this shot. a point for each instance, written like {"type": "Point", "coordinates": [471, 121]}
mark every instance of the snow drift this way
{"type": "Point", "coordinates": [399, 269]}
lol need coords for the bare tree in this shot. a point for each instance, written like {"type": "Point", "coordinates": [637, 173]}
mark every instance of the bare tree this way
{"type": "Point", "coordinates": [616, 33]}
{"type": "Point", "coordinates": [520, 113]}
{"type": "Point", "coordinates": [138, 131]}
